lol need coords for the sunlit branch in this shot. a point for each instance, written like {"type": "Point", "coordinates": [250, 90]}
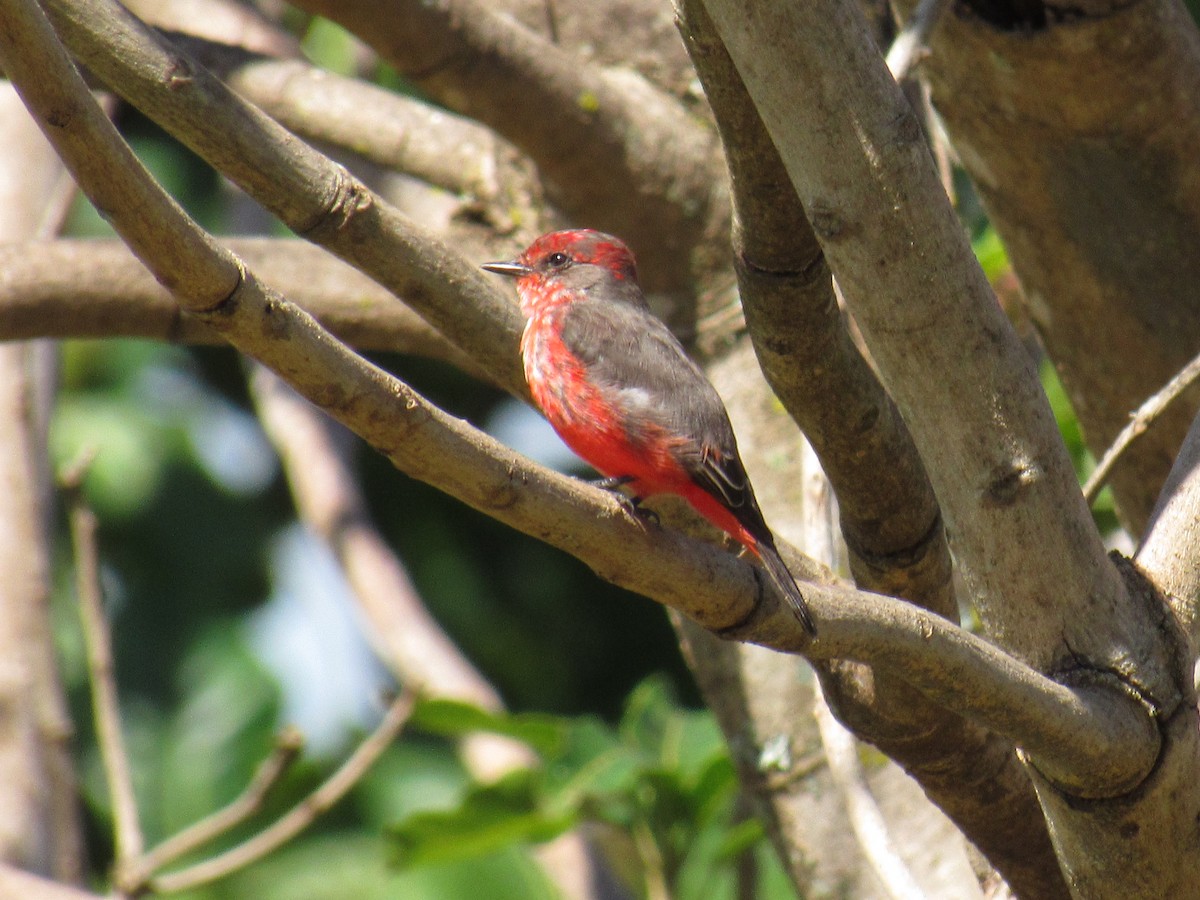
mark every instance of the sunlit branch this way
{"type": "Point", "coordinates": [1139, 422]}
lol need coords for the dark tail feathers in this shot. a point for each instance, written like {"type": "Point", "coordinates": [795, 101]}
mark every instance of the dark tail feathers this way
{"type": "Point", "coordinates": [783, 579]}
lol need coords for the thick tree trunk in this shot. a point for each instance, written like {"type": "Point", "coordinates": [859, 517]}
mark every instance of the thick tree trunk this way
{"type": "Point", "coordinates": [1080, 137]}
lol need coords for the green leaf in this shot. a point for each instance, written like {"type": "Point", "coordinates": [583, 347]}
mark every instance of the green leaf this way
{"type": "Point", "coordinates": [714, 789]}
{"type": "Point", "coordinates": [130, 451]}
{"type": "Point", "coordinates": [990, 251]}
{"type": "Point", "coordinates": [739, 838]}
{"type": "Point", "coordinates": [331, 47]}
{"type": "Point", "coordinates": [490, 818]}
{"type": "Point", "coordinates": [454, 718]}
{"type": "Point", "coordinates": [648, 712]}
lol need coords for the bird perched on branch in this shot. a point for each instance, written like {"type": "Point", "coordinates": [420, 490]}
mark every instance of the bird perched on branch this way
{"type": "Point", "coordinates": [623, 394]}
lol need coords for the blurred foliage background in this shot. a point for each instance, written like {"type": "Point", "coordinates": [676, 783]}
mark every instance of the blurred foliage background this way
{"type": "Point", "coordinates": [229, 622]}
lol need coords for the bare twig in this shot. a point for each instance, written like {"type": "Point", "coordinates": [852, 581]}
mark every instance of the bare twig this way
{"type": "Point", "coordinates": [869, 826]}
{"type": "Point", "coordinates": [910, 43]}
{"type": "Point", "coordinates": [1141, 420]}
{"type": "Point", "coordinates": [288, 745]}
{"type": "Point", "coordinates": [303, 814]}
{"type": "Point", "coordinates": [105, 707]}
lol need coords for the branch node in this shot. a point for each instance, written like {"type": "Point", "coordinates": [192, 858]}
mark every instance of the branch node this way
{"type": "Point", "coordinates": [347, 197]}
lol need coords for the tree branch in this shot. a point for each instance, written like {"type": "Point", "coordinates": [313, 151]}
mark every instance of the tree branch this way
{"type": "Point", "coordinates": [15, 883]}
{"type": "Point", "coordinates": [98, 289]}
{"type": "Point", "coordinates": [909, 44]}
{"type": "Point", "coordinates": [399, 132]}
{"type": "Point", "coordinates": [865, 818]}
{"type": "Point", "coordinates": [313, 196]}
{"type": "Point", "coordinates": [1139, 422]}
{"type": "Point", "coordinates": [138, 874]}
{"type": "Point", "coordinates": [965, 385]}
{"type": "Point", "coordinates": [1087, 178]}
{"type": "Point", "coordinates": [404, 634]}
{"type": "Point", "coordinates": [102, 678]}
{"type": "Point", "coordinates": [400, 628]}
{"type": "Point", "coordinates": [575, 119]}
{"type": "Point", "coordinates": [40, 825]}
{"type": "Point", "coordinates": [889, 515]}
{"type": "Point", "coordinates": [1170, 549]}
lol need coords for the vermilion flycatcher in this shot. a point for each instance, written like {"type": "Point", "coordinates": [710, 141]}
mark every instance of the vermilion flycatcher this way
{"type": "Point", "coordinates": [621, 392]}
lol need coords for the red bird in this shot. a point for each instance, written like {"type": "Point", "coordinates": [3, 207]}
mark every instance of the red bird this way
{"type": "Point", "coordinates": [621, 392]}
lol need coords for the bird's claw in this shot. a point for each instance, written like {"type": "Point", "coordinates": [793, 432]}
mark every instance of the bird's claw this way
{"type": "Point", "coordinates": [633, 505]}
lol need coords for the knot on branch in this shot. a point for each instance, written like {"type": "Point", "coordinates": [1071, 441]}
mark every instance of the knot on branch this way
{"type": "Point", "coordinates": [1167, 685]}
{"type": "Point", "coordinates": [346, 197]}
{"type": "Point", "coordinates": [1009, 482]}
{"type": "Point", "coordinates": [1136, 741]}
{"type": "Point", "coordinates": [806, 272]}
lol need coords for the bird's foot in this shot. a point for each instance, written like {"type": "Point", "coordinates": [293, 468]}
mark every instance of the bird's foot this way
{"type": "Point", "coordinates": [633, 505]}
{"type": "Point", "coordinates": [611, 484]}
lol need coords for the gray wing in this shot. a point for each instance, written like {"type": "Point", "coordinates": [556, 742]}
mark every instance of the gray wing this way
{"type": "Point", "coordinates": [631, 353]}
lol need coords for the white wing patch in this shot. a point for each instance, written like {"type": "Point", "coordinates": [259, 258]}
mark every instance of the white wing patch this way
{"type": "Point", "coordinates": [636, 398]}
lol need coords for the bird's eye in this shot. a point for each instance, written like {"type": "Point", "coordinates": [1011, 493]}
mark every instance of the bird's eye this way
{"type": "Point", "coordinates": [557, 260]}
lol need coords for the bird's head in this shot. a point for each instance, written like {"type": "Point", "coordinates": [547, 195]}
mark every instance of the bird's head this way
{"type": "Point", "coordinates": [568, 266]}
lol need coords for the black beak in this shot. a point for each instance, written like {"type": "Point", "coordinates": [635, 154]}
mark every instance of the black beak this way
{"type": "Point", "coordinates": [511, 269]}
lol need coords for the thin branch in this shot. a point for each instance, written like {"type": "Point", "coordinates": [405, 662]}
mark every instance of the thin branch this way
{"type": "Point", "coordinates": [1141, 420]}
{"type": "Point", "coordinates": [1103, 739]}
{"type": "Point", "coordinates": [287, 748]}
{"type": "Point", "coordinates": [398, 625]}
{"type": "Point", "coordinates": [230, 22]}
{"type": "Point", "coordinates": [393, 130]}
{"type": "Point", "coordinates": [328, 501]}
{"type": "Point", "coordinates": [102, 677]}
{"type": "Point", "coordinates": [1169, 553]}
{"type": "Point", "coordinates": [303, 814]}
{"type": "Point", "coordinates": [405, 636]}
{"type": "Point", "coordinates": [263, 63]}
{"type": "Point", "coordinates": [911, 42]}
{"type": "Point", "coordinates": [40, 823]}
{"type": "Point", "coordinates": [870, 829]}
